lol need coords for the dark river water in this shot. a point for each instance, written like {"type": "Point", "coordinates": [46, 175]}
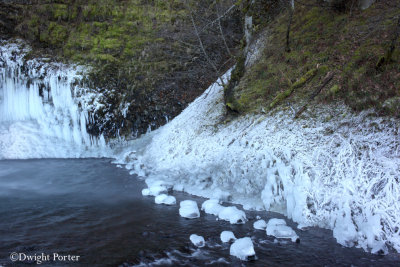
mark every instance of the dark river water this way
{"type": "Point", "coordinates": [92, 209]}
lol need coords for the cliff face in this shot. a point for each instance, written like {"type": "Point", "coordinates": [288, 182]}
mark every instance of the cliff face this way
{"type": "Point", "coordinates": [333, 51]}
{"type": "Point", "coordinates": [144, 56]}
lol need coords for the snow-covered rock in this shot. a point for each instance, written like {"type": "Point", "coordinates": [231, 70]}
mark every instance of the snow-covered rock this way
{"type": "Point", "coordinates": [260, 225]}
{"type": "Point", "coordinates": [197, 240]}
{"type": "Point", "coordinates": [165, 199]}
{"type": "Point", "coordinates": [227, 236]}
{"type": "Point", "coordinates": [279, 229]}
{"type": "Point", "coordinates": [232, 215]}
{"type": "Point", "coordinates": [188, 209]}
{"type": "Point", "coordinates": [154, 190]}
{"type": "Point", "coordinates": [276, 221]}
{"type": "Point", "coordinates": [212, 206]}
{"type": "Point", "coordinates": [243, 249]}
{"type": "Point", "coordinates": [146, 192]}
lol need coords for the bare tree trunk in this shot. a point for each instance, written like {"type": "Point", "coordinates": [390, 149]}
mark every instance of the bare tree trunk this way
{"type": "Point", "coordinates": [388, 56]}
{"type": "Point", "coordinates": [204, 51]}
{"type": "Point", "coordinates": [327, 79]}
{"type": "Point", "coordinates": [291, 10]}
{"type": "Point", "coordinates": [220, 29]}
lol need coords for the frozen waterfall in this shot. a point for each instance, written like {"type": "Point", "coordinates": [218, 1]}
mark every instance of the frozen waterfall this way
{"type": "Point", "coordinates": [40, 117]}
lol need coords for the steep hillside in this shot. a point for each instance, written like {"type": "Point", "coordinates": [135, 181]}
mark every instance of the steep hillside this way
{"type": "Point", "coordinates": [335, 53]}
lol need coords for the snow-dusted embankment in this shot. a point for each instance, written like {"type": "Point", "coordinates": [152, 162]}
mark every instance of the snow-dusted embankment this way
{"type": "Point", "coordinates": [43, 112]}
{"type": "Point", "coordinates": [336, 170]}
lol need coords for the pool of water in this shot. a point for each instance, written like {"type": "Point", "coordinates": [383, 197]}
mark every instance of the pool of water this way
{"type": "Point", "coordinates": [92, 209]}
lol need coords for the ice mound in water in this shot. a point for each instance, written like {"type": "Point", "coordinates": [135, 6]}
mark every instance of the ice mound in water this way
{"type": "Point", "coordinates": [279, 229]}
{"type": "Point", "coordinates": [156, 188]}
{"type": "Point", "coordinates": [212, 206]}
{"type": "Point", "coordinates": [165, 199]}
{"type": "Point", "coordinates": [260, 225]}
{"type": "Point", "coordinates": [188, 209]}
{"type": "Point", "coordinates": [154, 191]}
{"type": "Point", "coordinates": [243, 249]}
{"type": "Point", "coordinates": [227, 236]}
{"type": "Point", "coordinates": [197, 240]}
{"type": "Point", "coordinates": [232, 215]}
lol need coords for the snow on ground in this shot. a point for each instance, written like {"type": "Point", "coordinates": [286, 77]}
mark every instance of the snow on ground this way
{"type": "Point", "coordinates": [227, 236]}
{"type": "Point", "coordinates": [331, 168]}
{"type": "Point", "coordinates": [165, 199]}
{"type": "Point", "coordinates": [197, 240]}
{"type": "Point", "coordinates": [188, 209]}
{"type": "Point", "coordinates": [243, 249]}
{"type": "Point", "coordinates": [279, 229]}
{"type": "Point", "coordinates": [260, 225]}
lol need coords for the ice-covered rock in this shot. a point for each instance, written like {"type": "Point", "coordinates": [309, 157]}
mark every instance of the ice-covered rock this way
{"type": "Point", "coordinates": [154, 190]}
{"type": "Point", "coordinates": [243, 249]}
{"type": "Point", "coordinates": [276, 221]}
{"type": "Point", "coordinates": [146, 192]}
{"type": "Point", "coordinates": [232, 215]}
{"type": "Point", "coordinates": [227, 236]}
{"type": "Point", "coordinates": [165, 199]}
{"type": "Point", "coordinates": [212, 206]}
{"type": "Point", "coordinates": [279, 229]}
{"type": "Point", "coordinates": [260, 225]}
{"type": "Point", "coordinates": [188, 209]}
{"type": "Point", "coordinates": [197, 240]}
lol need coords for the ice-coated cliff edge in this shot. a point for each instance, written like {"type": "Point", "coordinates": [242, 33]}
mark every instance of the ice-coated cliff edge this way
{"type": "Point", "coordinates": [43, 111]}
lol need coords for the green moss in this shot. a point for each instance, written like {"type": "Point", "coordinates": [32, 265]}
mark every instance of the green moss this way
{"type": "Point", "coordinates": [334, 89]}
{"type": "Point", "coordinates": [309, 75]}
{"type": "Point", "coordinates": [60, 11]}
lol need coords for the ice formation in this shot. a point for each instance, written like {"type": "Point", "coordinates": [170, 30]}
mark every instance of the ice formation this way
{"type": "Point", "coordinates": [165, 199]}
{"type": "Point", "coordinates": [156, 187]}
{"type": "Point", "coordinates": [243, 249]}
{"type": "Point", "coordinates": [197, 240]}
{"type": "Point", "coordinates": [41, 114]}
{"type": "Point", "coordinates": [212, 206]}
{"type": "Point", "coordinates": [232, 215]}
{"type": "Point", "coordinates": [227, 236]}
{"type": "Point", "coordinates": [260, 225]}
{"type": "Point", "coordinates": [279, 229]}
{"type": "Point", "coordinates": [334, 169]}
{"type": "Point", "coordinates": [188, 209]}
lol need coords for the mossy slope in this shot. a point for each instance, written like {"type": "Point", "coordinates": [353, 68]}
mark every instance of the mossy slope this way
{"type": "Point", "coordinates": [324, 40]}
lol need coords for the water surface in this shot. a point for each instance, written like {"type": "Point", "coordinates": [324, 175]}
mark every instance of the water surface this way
{"type": "Point", "coordinates": [91, 208]}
